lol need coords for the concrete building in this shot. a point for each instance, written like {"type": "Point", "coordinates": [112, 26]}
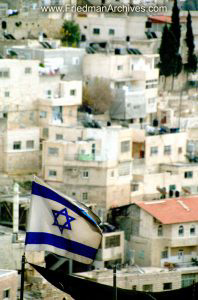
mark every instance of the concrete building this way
{"type": "Point", "coordinates": [162, 233]}
{"type": "Point", "coordinates": [146, 279]}
{"type": "Point", "coordinates": [151, 153]}
{"type": "Point", "coordinates": [95, 169]}
{"type": "Point", "coordinates": [134, 79]}
{"type": "Point", "coordinates": [27, 110]}
{"type": "Point", "coordinates": [54, 58]}
{"type": "Point", "coordinates": [111, 250]}
{"type": "Point", "coordinates": [8, 284]}
{"type": "Point", "coordinates": [19, 134]}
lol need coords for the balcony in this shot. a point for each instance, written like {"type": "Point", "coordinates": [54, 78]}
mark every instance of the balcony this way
{"type": "Point", "coordinates": [178, 262]}
{"type": "Point", "coordinates": [183, 242]}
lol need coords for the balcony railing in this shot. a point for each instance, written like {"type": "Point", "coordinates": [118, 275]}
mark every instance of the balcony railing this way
{"type": "Point", "coordinates": [85, 157]}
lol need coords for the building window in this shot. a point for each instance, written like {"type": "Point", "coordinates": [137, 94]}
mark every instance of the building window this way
{"type": "Point", "coordinates": [153, 151]}
{"type": "Point", "coordinates": [180, 150]}
{"type": "Point", "coordinates": [53, 151]}
{"type": "Point", "coordinates": [49, 94]}
{"type": "Point", "coordinates": [180, 253]}
{"type": "Point", "coordinates": [75, 60]}
{"type": "Point", "coordinates": [181, 230]}
{"type": "Point", "coordinates": [111, 31]}
{"type": "Point", "coordinates": [188, 279]}
{"type": "Point", "coordinates": [52, 173]}
{"type": "Point", "coordinates": [45, 132]}
{"type": "Point", "coordinates": [72, 92]}
{"type": "Point", "coordinates": [164, 254]}
{"type": "Point", "coordinates": [112, 241]}
{"type": "Point", "coordinates": [96, 31]}
{"type": "Point", "coordinates": [172, 187]}
{"type": "Point", "coordinates": [125, 146]}
{"type": "Point", "coordinates": [192, 230]}
{"type": "Point", "coordinates": [43, 114]}
{"type": "Point", "coordinates": [134, 187]}
{"type": "Point", "coordinates": [167, 150]}
{"type": "Point", "coordinates": [59, 137]}
{"type": "Point", "coordinates": [160, 230]}
{"type": "Point", "coordinates": [119, 67]}
{"type": "Point", "coordinates": [167, 286]}
{"type": "Point", "coordinates": [147, 287]}
{"type": "Point", "coordinates": [17, 145]}
{"type": "Point", "coordinates": [112, 173]}
{"type": "Point", "coordinates": [85, 196]}
{"type": "Point", "coordinates": [30, 144]}
{"type": "Point", "coordinates": [136, 107]}
{"type": "Point", "coordinates": [6, 294]}
{"type": "Point", "coordinates": [5, 73]}
{"type": "Point", "coordinates": [85, 174]}
{"type": "Point", "coordinates": [134, 287]}
{"type": "Point", "coordinates": [7, 94]}
{"type": "Point", "coordinates": [124, 169]}
{"type": "Point", "coordinates": [188, 174]}
{"type": "Point", "coordinates": [28, 70]}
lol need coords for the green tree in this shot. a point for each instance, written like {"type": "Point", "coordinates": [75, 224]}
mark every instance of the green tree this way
{"type": "Point", "coordinates": [191, 65]}
{"type": "Point", "coordinates": [170, 60]}
{"type": "Point", "coordinates": [190, 5]}
{"type": "Point", "coordinates": [175, 25]}
{"type": "Point", "coordinates": [70, 34]}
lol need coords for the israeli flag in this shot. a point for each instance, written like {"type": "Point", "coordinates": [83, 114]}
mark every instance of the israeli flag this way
{"type": "Point", "coordinates": [61, 225]}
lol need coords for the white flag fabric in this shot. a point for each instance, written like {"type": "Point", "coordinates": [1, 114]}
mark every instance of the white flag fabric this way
{"type": "Point", "coordinates": [61, 225]}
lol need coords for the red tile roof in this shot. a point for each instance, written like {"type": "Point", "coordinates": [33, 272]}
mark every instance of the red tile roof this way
{"type": "Point", "coordinates": [172, 211]}
{"type": "Point", "coordinates": [164, 19]}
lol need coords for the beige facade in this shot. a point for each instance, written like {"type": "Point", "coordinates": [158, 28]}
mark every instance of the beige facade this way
{"type": "Point", "coordinates": [95, 170]}
{"type": "Point", "coordinates": [111, 250]}
{"type": "Point", "coordinates": [8, 284]}
{"type": "Point", "coordinates": [151, 154]}
{"type": "Point", "coordinates": [146, 279]}
{"type": "Point", "coordinates": [158, 245]}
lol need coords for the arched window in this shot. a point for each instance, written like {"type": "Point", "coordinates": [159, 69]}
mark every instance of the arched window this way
{"type": "Point", "coordinates": [192, 230]}
{"type": "Point", "coordinates": [160, 230]}
{"type": "Point", "coordinates": [181, 230]}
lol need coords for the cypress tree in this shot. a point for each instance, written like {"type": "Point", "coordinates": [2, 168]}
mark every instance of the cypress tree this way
{"type": "Point", "coordinates": [175, 26]}
{"type": "Point", "coordinates": [170, 60]}
{"type": "Point", "coordinates": [191, 65]}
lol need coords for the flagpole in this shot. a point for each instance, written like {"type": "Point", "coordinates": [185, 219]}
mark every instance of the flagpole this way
{"type": "Point", "coordinates": [22, 276]}
{"type": "Point", "coordinates": [114, 283]}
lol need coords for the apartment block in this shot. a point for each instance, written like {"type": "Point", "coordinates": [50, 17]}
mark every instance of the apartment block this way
{"type": "Point", "coordinates": [162, 232]}
{"type": "Point", "coordinates": [111, 250]}
{"type": "Point", "coordinates": [95, 169]}
{"type": "Point", "coordinates": [134, 79]}
{"type": "Point", "coordinates": [53, 58]}
{"type": "Point", "coordinates": [155, 157]}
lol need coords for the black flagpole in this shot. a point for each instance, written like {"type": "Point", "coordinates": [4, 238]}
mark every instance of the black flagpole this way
{"type": "Point", "coordinates": [22, 276]}
{"type": "Point", "coordinates": [114, 283]}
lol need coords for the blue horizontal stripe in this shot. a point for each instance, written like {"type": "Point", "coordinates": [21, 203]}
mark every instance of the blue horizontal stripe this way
{"type": "Point", "coordinates": [43, 191]}
{"type": "Point", "coordinates": [37, 238]}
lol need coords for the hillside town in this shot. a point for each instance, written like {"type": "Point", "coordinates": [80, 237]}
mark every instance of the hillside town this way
{"type": "Point", "coordinates": [103, 107]}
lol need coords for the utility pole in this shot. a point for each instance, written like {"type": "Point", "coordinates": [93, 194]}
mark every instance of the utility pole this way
{"type": "Point", "coordinates": [114, 283]}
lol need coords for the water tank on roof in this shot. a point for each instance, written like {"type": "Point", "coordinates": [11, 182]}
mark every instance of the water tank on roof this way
{"type": "Point", "coordinates": [177, 194]}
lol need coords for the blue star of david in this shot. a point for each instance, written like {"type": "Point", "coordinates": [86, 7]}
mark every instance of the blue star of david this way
{"type": "Point", "coordinates": [68, 219]}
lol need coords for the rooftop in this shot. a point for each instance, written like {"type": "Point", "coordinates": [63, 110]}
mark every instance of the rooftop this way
{"type": "Point", "coordinates": [172, 211]}
{"type": "Point", "coordinates": [7, 272]}
{"type": "Point", "coordinates": [165, 19]}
